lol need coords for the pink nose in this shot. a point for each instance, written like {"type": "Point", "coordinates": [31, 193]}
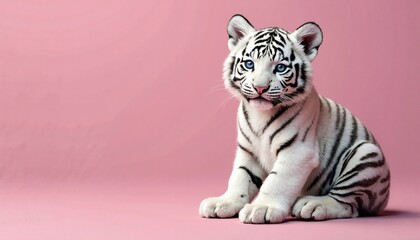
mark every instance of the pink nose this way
{"type": "Point", "coordinates": [260, 89]}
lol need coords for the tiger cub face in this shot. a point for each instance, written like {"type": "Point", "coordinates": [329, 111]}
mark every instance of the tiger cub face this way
{"type": "Point", "coordinates": [270, 67]}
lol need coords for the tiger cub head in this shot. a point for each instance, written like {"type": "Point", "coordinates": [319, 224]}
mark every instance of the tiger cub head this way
{"type": "Point", "coordinates": [270, 67]}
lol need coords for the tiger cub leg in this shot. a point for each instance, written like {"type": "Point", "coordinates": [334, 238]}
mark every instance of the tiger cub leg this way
{"type": "Point", "coordinates": [361, 188]}
{"type": "Point", "coordinates": [244, 182]}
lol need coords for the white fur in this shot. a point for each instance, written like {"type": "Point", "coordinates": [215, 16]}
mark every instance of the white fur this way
{"type": "Point", "coordinates": [287, 175]}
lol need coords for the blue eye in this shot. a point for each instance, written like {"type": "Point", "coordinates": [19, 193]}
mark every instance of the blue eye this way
{"type": "Point", "coordinates": [249, 64]}
{"type": "Point", "coordinates": [281, 68]}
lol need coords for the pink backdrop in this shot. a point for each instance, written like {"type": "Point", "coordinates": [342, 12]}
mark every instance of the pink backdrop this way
{"type": "Point", "coordinates": [114, 121]}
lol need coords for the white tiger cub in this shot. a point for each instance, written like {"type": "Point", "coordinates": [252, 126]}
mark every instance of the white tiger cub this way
{"type": "Point", "coordinates": [300, 152]}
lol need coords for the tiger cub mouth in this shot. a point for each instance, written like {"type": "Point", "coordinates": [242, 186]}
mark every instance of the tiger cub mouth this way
{"type": "Point", "coordinates": [261, 103]}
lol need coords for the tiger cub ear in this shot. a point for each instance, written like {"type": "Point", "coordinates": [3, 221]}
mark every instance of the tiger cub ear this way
{"type": "Point", "coordinates": [238, 28]}
{"type": "Point", "coordinates": [309, 35]}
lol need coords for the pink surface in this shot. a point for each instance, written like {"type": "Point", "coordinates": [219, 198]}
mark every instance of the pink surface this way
{"type": "Point", "coordinates": [115, 125]}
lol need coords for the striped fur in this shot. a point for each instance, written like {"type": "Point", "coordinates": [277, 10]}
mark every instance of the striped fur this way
{"type": "Point", "coordinates": [298, 153]}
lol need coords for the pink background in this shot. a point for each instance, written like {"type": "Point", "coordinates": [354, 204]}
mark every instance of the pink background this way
{"type": "Point", "coordinates": [115, 124]}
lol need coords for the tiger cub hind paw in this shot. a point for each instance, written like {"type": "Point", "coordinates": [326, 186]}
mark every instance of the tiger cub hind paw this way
{"type": "Point", "coordinates": [320, 208]}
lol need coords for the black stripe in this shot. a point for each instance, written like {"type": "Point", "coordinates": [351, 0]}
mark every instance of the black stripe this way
{"type": "Point", "coordinates": [355, 129]}
{"type": "Point", "coordinates": [367, 134]}
{"type": "Point", "coordinates": [328, 104]}
{"type": "Point", "coordinates": [274, 117]}
{"type": "Point", "coordinates": [276, 44]}
{"type": "Point", "coordinates": [320, 104]}
{"type": "Point", "coordinates": [363, 166]}
{"type": "Point", "coordinates": [286, 144]}
{"type": "Point", "coordinates": [292, 56]}
{"type": "Point", "coordinates": [385, 190]}
{"type": "Point", "coordinates": [243, 133]}
{"type": "Point", "coordinates": [294, 85]}
{"type": "Point", "coordinates": [369, 155]}
{"type": "Point", "coordinates": [337, 116]}
{"type": "Point", "coordinates": [233, 85]}
{"type": "Point", "coordinates": [247, 119]}
{"type": "Point", "coordinates": [350, 155]}
{"type": "Point", "coordinates": [342, 179]}
{"type": "Point", "coordinates": [282, 83]}
{"type": "Point", "coordinates": [246, 150]}
{"type": "Point", "coordinates": [373, 139]}
{"type": "Point", "coordinates": [261, 33]}
{"type": "Point", "coordinates": [232, 65]}
{"type": "Point", "coordinates": [256, 180]}
{"type": "Point", "coordinates": [285, 124]}
{"type": "Point", "coordinates": [281, 38]}
{"type": "Point", "coordinates": [236, 79]}
{"type": "Point", "coordinates": [381, 205]}
{"type": "Point", "coordinates": [371, 196]}
{"type": "Point", "coordinates": [244, 50]}
{"type": "Point", "coordinates": [362, 183]}
{"type": "Point", "coordinates": [285, 78]}
{"type": "Point", "coordinates": [307, 130]}
{"type": "Point", "coordinates": [237, 60]}
{"type": "Point", "coordinates": [359, 203]}
{"type": "Point", "coordinates": [346, 194]}
{"type": "Point", "coordinates": [303, 73]}
{"type": "Point", "coordinates": [386, 178]}
{"type": "Point", "coordinates": [262, 40]}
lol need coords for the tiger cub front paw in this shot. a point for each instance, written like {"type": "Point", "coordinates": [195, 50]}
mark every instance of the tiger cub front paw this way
{"type": "Point", "coordinates": [262, 213]}
{"type": "Point", "coordinates": [221, 207]}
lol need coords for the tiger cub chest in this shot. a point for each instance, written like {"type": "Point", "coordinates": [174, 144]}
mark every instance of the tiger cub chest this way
{"type": "Point", "coordinates": [273, 135]}
{"type": "Point", "coordinates": [264, 151]}
{"type": "Point", "coordinates": [262, 134]}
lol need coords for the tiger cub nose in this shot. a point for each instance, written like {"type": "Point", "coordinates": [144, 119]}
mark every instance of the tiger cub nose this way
{"type": "Point", "coordinates": [260, 89]}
